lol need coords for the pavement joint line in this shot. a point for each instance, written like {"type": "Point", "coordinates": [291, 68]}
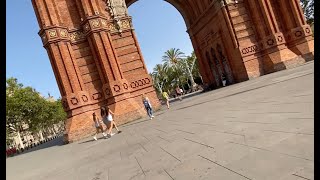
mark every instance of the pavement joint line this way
{"type": "Point", "coordinates": [252, 122]}
{"type": "Point", "coordinates": [143, 147]}
{"type": "Point", "coordinates": [292, 103]}
{"type": "Point", "coordinates": [302, 118]}
{"type": "Point", "coordinates": [172, 120]}
{"type": "Point", "coordinates": [145, 137]}
{"type": "Point", "coordinates": [199, 143]}
{"type": "Point", "coordinates": [300, 176]}
{"type": "Point", "coordinates": [284, 112]}
{"type": "Point", "coordinates": [273, 112]}
{"type": "Point", "coordinates": [234, 110]}
{"type": "Point", "coordinates": [169, 154]}
{"type": "Point", "coordinates": [267, 102]}
{"type": "Point", "coordinates": [224, 167]}
{"type": "Point", "coordinates": [241, 92]}
{"type": "Point", "coordinates": [205, 124]}
{"type": "Point", "coordinates": [134, 123]}
{"type": "Point", "coordinates": [302, 95]}
{"type": "Point", "coordinates": [175, 124]}
{"type": "Point", "coordinates": [160, 130]}
{"type": "Point", "coordinates": [185, 131]}
{"type": "Point", "coordinates": [164, 139]}
{"type": "Point", "coordinates": [168, 174]}
{"type": "Point", "coordinates": [273, 151]}
{"type": "Point", "coordinates": [140, 166]}
{"type": "Point", "coordinates": [226, 132]}
{"type": "Point", "coordinates": [290, 132]}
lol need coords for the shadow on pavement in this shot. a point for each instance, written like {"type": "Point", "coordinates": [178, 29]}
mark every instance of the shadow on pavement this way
{"type": "Point", "coordinates": [54, 142]}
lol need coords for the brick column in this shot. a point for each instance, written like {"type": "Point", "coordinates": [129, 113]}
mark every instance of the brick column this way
{"type": "Point", "coordinates": [271, 39]}
{"type": "Point", "coordinates": [116, 88]}
{"type": "Point", "coordinates": [55, 37]}
{"type": "Point", "coordinates": [298, 32]}
{"type": "Point", "coordinates": [75, 98]}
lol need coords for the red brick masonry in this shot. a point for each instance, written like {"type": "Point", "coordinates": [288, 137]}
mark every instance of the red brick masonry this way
{"type": "Point", "coordinates": [97, 60]}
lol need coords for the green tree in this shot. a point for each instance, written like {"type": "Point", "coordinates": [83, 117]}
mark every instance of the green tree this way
{"type": "Point", "coordinates": [188, 65]}
{"type": "Point", "coordinates": [21, 105]}
{"type": "Point", "coordinates": [172, 59]}
{"type": "Point", "coordinates": [308, 10]}
{"type": "Point", "coordinates": [25, 106]}
{"type": "Point", "coordinates": [175, 71]}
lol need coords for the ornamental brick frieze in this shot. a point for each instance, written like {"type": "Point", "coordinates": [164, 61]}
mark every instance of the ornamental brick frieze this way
{"type": "Point", "coordinates": [77, 36]}
{"type": "Point", "coordinates": [249, 49]}
{"type": "Point", "coordinates": [97, 96]}
{"type": "Point", "coordinates": [272, 41]}
{"type": "Point", "coordinates": [140, 82]}
{"type": "Point", "coordinates": [101, 24]}
{"type": "Point", "coordinates": [76, 100]}
{"type": "Point", "coordinates": [54, 34]}
{"type": "Point", "coordinates": [299, 33]}
{"type": "Point", "coordinates": [115, 88]}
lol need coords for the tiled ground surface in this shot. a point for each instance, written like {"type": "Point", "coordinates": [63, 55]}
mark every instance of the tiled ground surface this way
{"type": "Point", "coordinates": [260, 129]}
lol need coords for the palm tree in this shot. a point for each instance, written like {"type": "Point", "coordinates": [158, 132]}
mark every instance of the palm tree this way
{"type": "Point", "coordinates": [308, 10]}
{"type": "Point", "coordinates": [158, 77]}
{"type": "Point", "coordinates": [189, 64]}
{"type": "Point", "coordinates": [173, 59]}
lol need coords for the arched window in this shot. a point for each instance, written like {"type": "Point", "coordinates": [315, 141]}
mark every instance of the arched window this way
{"type": "Point", "coordinates": [219, 49]}
{"type": "Point", "coordinates": [215, 59]}
{"type": "Point", "coordinates": [209, 61]}
{"type": "Point", "coordinates": [208, 57]}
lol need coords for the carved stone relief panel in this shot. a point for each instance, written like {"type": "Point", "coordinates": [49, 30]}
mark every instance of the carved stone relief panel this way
{"type": "Point", "coordinates": [117, 8]}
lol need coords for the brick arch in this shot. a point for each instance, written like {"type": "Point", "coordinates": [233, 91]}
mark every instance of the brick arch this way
{"type": "Point", "coordinates": [177, 4]}
{"type": "Point", "coordinates": [97, 61]}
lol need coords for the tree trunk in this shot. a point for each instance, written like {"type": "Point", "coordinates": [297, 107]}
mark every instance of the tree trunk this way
{"type": "Point", "coordinates": [193, 84]}
{"type": "Point", "coordinates": [41, 136]}
{"type": "Point", "coordinates": [159, 87]}
{"type": "Point", "coordinates": [20, 141]}
{"type": "Point", "coordinates": [53, 130]}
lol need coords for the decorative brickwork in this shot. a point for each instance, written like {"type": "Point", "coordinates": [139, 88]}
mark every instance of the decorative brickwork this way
{"type": "Point", "coordinates": [97, 60]}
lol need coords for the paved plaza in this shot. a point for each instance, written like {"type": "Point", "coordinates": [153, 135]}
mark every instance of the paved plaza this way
{"type": "Point", "coordinates": [262, 129]}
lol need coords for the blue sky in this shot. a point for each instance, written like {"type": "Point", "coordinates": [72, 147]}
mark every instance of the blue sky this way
{"type": "Point", "coordinates": [158, 25]}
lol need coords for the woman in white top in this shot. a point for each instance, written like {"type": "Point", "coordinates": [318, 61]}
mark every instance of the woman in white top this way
{"type": "Point", "coordinates": [106, 115]}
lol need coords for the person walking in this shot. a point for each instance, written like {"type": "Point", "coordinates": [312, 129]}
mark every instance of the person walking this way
{"type": "Point", "coordinates": [224, 80]}
{"type": "Point", "coordinates": [106, 115]}
{"type": "Point", "coordinates": [178, 92]}
{"type": "Point", "coordinates": [147, 105]}
{"type": "Point", "coordinates": [166, 98]}
{"type": "Point", "coordinates": [98, 126]}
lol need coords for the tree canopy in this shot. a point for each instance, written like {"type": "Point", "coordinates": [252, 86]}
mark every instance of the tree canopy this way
{"type": "Point", "coordinates": [25, 106]}
{"type": "Point", "coordinates": [308, 10]}
{"type": "Point", "coordinates": [176, 70]}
